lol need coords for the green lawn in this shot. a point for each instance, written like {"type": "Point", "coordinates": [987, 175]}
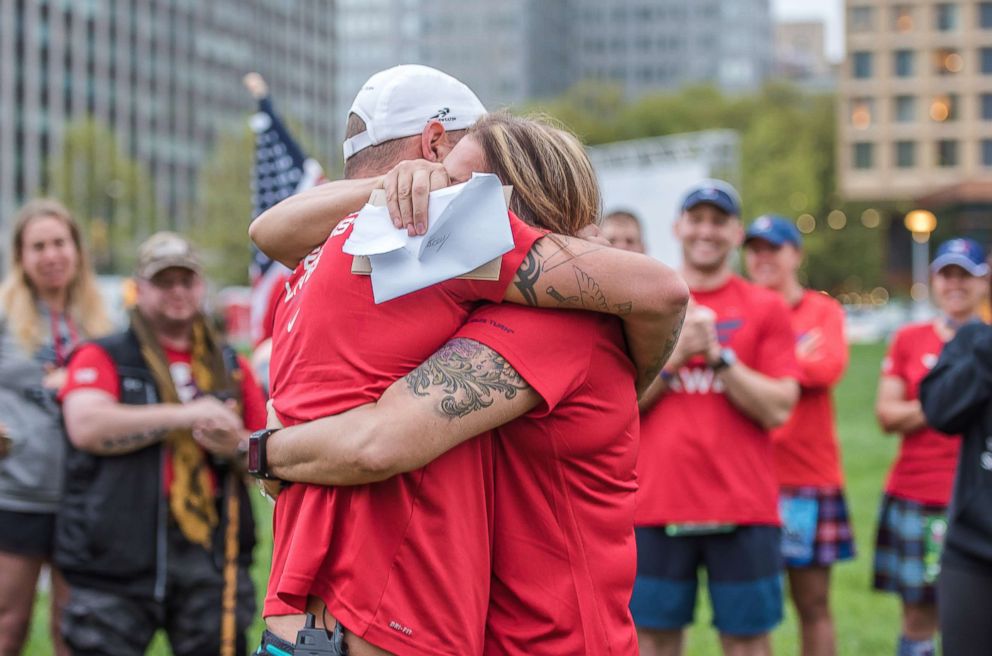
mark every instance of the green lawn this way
{"type": "Point", "coordinates": [867, 623]}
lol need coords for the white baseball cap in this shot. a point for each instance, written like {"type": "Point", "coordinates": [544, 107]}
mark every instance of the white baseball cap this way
{"type": "Point", "coordinates": [398, 102]}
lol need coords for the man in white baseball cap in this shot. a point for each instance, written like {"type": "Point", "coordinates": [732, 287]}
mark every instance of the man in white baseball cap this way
{"type": "Point", "coordinates": [406, 112]}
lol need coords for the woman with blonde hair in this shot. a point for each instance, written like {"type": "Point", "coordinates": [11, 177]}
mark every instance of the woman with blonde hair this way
{"type": "Point", "coordinates": [49, 302]}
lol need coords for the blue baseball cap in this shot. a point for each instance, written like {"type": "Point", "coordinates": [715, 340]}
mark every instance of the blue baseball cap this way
{"type": "Point", "coordinates": [774, 229]}
{"type": "Point", "coordinates": [715, 192]}
{"type": "Point", "coordinates": [965, 253]}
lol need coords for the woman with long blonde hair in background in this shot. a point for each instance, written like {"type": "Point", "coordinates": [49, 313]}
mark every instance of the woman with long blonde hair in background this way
{"type": "Point", "coordinates": [49, 301]}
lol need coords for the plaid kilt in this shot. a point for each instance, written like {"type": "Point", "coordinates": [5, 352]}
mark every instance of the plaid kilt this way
{"type": "Point", "coordinates": [907, 549]}
{"type": "Point", "coordinates": [832, 539]}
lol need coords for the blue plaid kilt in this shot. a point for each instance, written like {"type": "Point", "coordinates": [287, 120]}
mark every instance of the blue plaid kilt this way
{"type": "Point", "coordinates": [907, 549]}
{"type": "Point", "coordinates": [831, 538]}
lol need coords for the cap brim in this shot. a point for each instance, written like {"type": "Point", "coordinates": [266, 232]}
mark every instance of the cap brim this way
{"type": "Point", "coordinates": [953, 259]}
{"type": "Point", "coordinates": [763, 237]}
{"type": "Point", "coordinates": [719, 204]}
{"type": "Point", "coordinates": [151, 270]}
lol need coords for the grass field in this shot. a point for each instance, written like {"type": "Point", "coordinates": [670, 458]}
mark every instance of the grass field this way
{"type": "Point", "coordinates": [867, 623]}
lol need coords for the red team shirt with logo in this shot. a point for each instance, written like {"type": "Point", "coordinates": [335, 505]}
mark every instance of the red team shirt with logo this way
{"type": "Point", "coordinates": [924, 470]}
{"type": "Point", "coordinates": [403, 563]}
{"type": "Point", "coordinates": [702, 459]}
{"type": "Point", "coordinates": [806, 448]}
{"type": "Point", "coordinates": [91, 367]}
{"type": "Point", "coordinates": [563, 549]}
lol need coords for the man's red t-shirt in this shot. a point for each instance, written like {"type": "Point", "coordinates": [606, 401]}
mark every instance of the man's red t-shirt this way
{"type": "Point", "coordinates": [403, 563]}
{"type": "Point", "coordinates": [924, 470]}
{"type": "Point", "coordinates": [806, 448]}
{"type": "Point", "coordinates": [702, 459]}
{"type": "Point", "coordinates": [91, 367]}
{"type": "Point", "coordinates": [268, 319]}
{"type": "Point", "coordinates": [563, 549]}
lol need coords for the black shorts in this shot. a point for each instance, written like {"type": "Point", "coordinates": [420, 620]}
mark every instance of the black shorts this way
{"type": "Point", "coordinates": [27, 533]}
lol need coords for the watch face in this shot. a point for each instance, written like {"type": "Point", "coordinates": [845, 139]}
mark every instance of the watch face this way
{"type": "Point", "coordinates": [253, 456]}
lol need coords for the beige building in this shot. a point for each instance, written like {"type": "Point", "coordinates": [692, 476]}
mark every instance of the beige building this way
{"type": "Point", "coordinates": [915, 96]}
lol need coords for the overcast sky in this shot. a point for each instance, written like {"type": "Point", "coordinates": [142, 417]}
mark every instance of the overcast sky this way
{"type": "Point", "coordinates": [829, 11]}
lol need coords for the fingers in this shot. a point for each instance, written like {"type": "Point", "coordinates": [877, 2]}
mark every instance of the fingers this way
{"type": "Point", "coordinates": [390, 183]}
{"type": "Point", "coordinates": [408, 186]}
{"type": "Point", "coordinates": [593, 234]}
{"type": "Point", "coordinates": [420, 190]}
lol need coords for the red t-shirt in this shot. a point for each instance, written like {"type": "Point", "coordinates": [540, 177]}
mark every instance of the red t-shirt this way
{"type": "Point", "coordinates": [702, 459]}
{"type": "Point", "coordinates": [806, 448]}
{"type": "Point", "coordinates": [275, 292]}
{"type": "Point", "coordinates": [403, 563]}
{"type": "Point", "coordinates": [563, 550]}
{"type": "Point", "coordinates": [91, 367]}
{"type": "Point", "coordinates": [924, 470]}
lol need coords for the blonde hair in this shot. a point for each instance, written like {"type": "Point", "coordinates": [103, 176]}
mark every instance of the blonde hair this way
{"type": "Point", "coordinates": [554, 184]}
{"type": "Point", "coordinates": [18, 297]}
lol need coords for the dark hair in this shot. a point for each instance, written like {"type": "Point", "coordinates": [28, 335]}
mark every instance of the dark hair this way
{"type": "Point", "coordinates": [371, 159]}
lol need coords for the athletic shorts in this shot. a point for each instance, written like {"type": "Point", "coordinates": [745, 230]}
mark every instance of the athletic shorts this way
{"type": "Point", "coordinates": [816, 530]}
{"type": "Point", "coordinates": [27, 533]}
{"type": "Point", "coordinates": [743, 573]}
{"type": "Point", "coordinates": [907, 549]}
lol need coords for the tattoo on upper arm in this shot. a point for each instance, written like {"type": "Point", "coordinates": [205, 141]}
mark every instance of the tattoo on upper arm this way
{"type": "Point", "coordinates": [673, 338]}
{"type": "Point", "coordinates": [527, 275]}
{"type": "Point", "coordinates": [654, 367]}
{"type": "Point", "coordinates": [129, 443]}
{"type": "Point", "coordinates": [587, 293]}
{"type": "Point", "coordinates": [468, 374]}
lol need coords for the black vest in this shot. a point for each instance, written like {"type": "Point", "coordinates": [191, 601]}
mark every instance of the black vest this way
{"type": "Point", "coordinates": [111, 530]}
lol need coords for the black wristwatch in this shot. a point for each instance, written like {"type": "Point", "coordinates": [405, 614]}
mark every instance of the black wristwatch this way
{"type": "Point", "coordinates": [726, 359]}
{"type": "Point", "coordinates": [258, 463]}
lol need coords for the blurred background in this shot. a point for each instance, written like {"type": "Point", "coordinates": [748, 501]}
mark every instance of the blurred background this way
{"type": "Point", "coordinates": [844, 116]}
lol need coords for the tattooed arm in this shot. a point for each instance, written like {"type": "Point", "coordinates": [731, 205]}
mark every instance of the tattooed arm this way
{"type": "Point", "coordinates": [650, 298]}
{"type": "Point", "coordinates": [97, 423]}
{"type": "Point", "coordinates": [461, 391]}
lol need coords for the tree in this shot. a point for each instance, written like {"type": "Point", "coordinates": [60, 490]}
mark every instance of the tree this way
{"type": "Point", "coordinates": [110, 194]}
{"type": "Point", "coordinates": [788, 152]}
{"type": "Point", "coordinates": [224, 208]}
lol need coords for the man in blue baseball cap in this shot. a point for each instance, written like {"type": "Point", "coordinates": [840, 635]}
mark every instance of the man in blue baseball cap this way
{"type": "Point", "coordinates": [708, 491]}
{"type": "Point", "coordinates": [713, 192]}
{"type": "Point", "coordinates": [816, 529]}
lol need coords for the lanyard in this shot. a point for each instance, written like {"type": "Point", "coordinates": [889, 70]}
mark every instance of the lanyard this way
{"type": "Point", "coordinates": [61, 356]}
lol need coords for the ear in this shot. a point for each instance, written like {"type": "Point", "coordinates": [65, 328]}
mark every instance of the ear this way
{"type": "Point", "coordinates": [738, 233]}
{"type": "Point", "coordinates": [677, 227]}
{"type": "Point", "coordinates": [434, 141]}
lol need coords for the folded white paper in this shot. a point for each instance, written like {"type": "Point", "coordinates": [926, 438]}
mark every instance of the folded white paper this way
{"type": "Point", "coordinates": [467, 227]}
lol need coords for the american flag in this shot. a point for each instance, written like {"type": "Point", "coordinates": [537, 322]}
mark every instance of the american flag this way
{"type": "Point", "coordinates": [281, 169]}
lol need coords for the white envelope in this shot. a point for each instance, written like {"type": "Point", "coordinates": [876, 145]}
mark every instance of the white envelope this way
{"type": "Point", "coordinates": [467, 227]}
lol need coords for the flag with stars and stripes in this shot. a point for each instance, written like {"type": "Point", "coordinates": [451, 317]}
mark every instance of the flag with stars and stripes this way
{"type": "Point", "coordinates": [281, 169]}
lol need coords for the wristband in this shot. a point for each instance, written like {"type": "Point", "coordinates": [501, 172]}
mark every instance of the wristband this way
{"type": "Point", "coordinates": [258, 464]}
{"type": "Point", "coordinates": [666, 376]}
{"type": "Point", "coordinates": [727, 358]}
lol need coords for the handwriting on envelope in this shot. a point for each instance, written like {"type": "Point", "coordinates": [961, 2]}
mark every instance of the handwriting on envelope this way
{"type": "Point", "coordinates": [468, 230]}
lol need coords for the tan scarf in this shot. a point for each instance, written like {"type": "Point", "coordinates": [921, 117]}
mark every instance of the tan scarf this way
{"type": "Point", "coordinates": [190, 495]}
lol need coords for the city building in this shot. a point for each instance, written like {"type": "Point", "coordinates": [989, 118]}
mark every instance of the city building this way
{"type": "Point", "coordinates": [508, 52]}
{"type": "Point", "coordinates": [800, 55]}
{"type": "Point", "coordinates": [915, 98]}
{"type": "Point", "coordinates": [516, 51]}
{"type": "Point", "coordinates": [163, 76]}
{"type": "Point", "coordinates": [647, 45]}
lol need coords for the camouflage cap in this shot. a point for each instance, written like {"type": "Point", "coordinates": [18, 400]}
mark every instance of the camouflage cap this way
{"type": "Point", "coordinates": [164, 250]}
